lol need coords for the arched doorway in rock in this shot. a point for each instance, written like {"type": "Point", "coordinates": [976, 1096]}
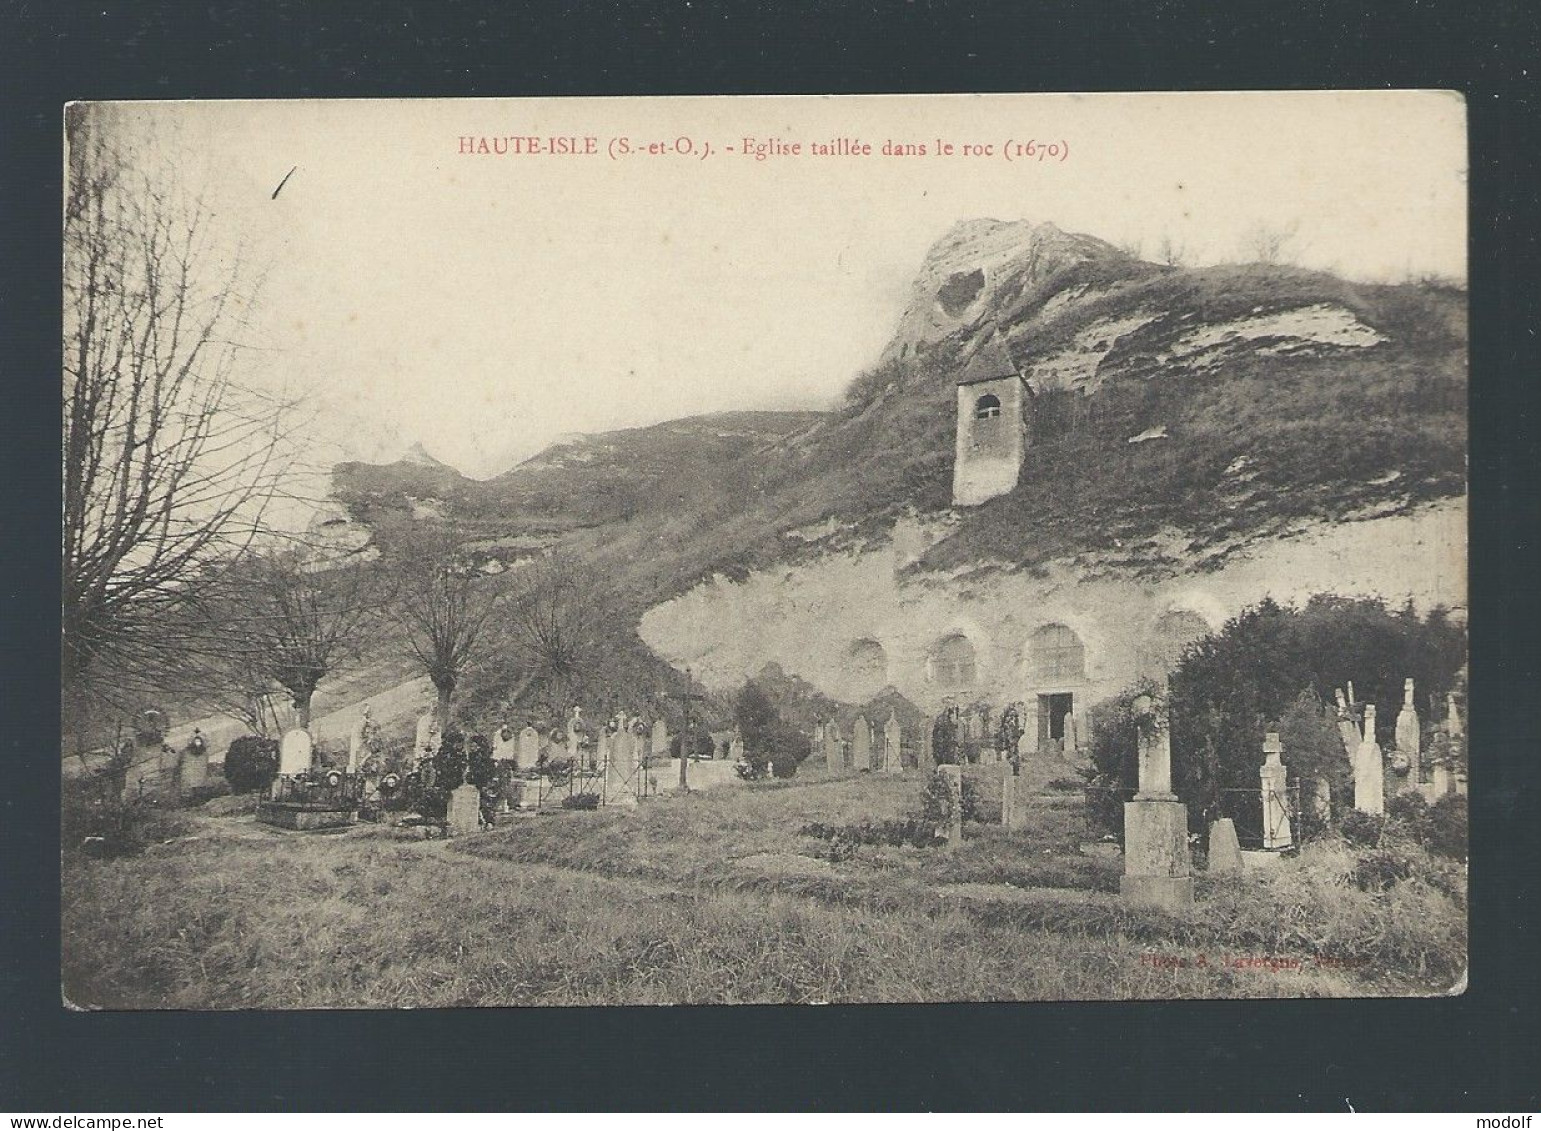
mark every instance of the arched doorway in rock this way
{"type": "Point", "coordinates": [1056, 660]}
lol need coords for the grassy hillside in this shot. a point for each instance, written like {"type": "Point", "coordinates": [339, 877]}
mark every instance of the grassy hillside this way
{"type": "Point", "coordinates": [1269, 395]}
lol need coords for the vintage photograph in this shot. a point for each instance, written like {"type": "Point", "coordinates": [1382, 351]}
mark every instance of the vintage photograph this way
{"type": "Point", "coordinates": [800, 550]}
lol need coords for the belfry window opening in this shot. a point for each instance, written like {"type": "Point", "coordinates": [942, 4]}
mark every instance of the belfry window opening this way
{"type": "Point", "coordinates": [987, 406]}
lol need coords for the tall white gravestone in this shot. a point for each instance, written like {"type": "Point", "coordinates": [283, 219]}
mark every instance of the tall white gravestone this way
{"type": "Point", "coordinates": [893, 745]}
{"type": "Point", "coordinates": [1369, 771]}
{"type": "Point", "coordinates": [1409, 735]}
{"type": "Point", "coordinates": [1274, 776]}
{"type": "Point", "coordinates": [294, 752]}
{"type": "Point", "coordinates": [861, 744]}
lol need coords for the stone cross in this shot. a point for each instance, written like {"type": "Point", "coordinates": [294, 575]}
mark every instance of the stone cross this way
{"type": "Point", "coordinates": [1409, 738]}
{"type": "Point", "coordinates": [952, 775]}
{"type": "Point", "coordinates": [1274, 776]}
{"type": "Point", "coordinates": [861, 744]}
{"type": "Point", "coordinates": [1369, 771]}
{"type": "Point", "coordinates": [893, 745]}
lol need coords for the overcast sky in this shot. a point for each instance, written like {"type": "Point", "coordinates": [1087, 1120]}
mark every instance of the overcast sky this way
{"type": "Point", "coordinates": [485, 305]}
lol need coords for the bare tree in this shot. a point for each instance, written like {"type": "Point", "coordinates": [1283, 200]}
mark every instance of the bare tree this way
{"type": "Point", "coordinates": [1171, 252]}
{"type": "Point", "coordinates": [552, 629]}
{"type": "Point", "coordinates": [293, 618]}
{"type": "Point", "coordinates": [168, 461]}
{"type": "Point", "coordinates": [445, 605]}
{"type": "Point", "coordinates": [1266, 243]}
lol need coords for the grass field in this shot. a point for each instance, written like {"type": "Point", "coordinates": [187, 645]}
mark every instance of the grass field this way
{"type": "Point", "coordinates": [717, 898]}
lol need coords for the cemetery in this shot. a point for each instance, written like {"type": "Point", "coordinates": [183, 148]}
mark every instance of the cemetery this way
{"type": "Point", "coordinates": [953, 823]}
{"type": "Point", "coordinates": [1084, 628]}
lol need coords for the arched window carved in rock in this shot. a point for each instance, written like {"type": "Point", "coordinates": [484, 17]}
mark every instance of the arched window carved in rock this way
{"type": "Point", "coordinates": [866, 668]}
{"type": "Point", "coordinates": [1056, 655]}
{"type": "Point", "coordinates": [952, 663]}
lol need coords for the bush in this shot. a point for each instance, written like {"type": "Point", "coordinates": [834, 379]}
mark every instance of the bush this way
{"type": "Point", "coordinates": [251, 763]}
{"type": "Point", "coordinates": [936, 801]}
{"type": "Point", "coordinates": [913, 831]}
{"type": "Point", "coordinates": [107, 827]}
{"type": "Point", "coordinates": [1381, 868]}
{"type": "Point", "coordinates": [1232, 687]}
{"type": "Point", "coordinates": [1363, 830]}
{"type": "Point", "coordinates": [581, 801]}
{"type": "Point", "coordinates": [1448, 827]}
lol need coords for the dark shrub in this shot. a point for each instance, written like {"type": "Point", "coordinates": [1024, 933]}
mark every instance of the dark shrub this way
{"type": "Point", "coordinates": [1362, 829]}
{"type": "Point", "coordinates": [480, 768]}
{"type": "Point", "coordinates": [251, 763]}
{"type": "Point", "coordinates": [936, 801]}
{"type": "Point", "coordinates": [1447, 827]}
{"type": "Point", "coordinates": [1407, 814]}
{"type": "Point", "coordinates": [106, 827]}
{"type": "Point", "coordinates": [1230, 688]}
{"type": "Point", "coordinates": [1382, 868]}
{"type": "Point", "coordinates": [581, 801]}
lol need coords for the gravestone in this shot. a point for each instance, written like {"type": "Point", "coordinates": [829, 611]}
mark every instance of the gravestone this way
{"type": "Point", "coordinates": [528, 752]}
{"type": "Point", "coordinates": [861, 744]}
{"type": "Point", "coordinates": [194, 769]}
{"type": "Point", "coordinates": [294, 752]}
{"type": "Point", "coordinates": [1072, 734]}
{"type": "Point", "coordinates": [1409, 736]}
{"type": "Point", "coordinates": [736, 747]}
{"type": "Point", "coordinates": [1453, 725]}
{"type": "Point", "coordinates": [505, 745]}
{"type": "Point", "coordinates": [1442, 781]}
{"type": "Point", "coordinates": [1009, 811]}
{"type": "Point", "coordinates": [893, 745]}
{"type": "Point", "coordinates": [1224, 848]}
{"type": "Point", "coordinates": [926, 723]}
{"type": "Point", "coordinates": [1273, 776]}
{"type": "Point", "coordinates": [660, 743]}
{"type": "Point", "coordinates": [1158, 870]}
{"type": "Point", "coordinates": [1369, 771]}
{"type": "Point", "coordinates": [621, 770]}
{"type": "Point", "coordinates": [834, 751]}
{"type": "Point", "coordinates": [463, 815]}
{"type": "Point", "coordinates": [952, 775]}
{"type": "Point", "coordinates": [603, 747]}
{"type": "Point", "coordinates": [1348, 730]}
{"type": "Point", "coordinates": [575, 734]}
{"type": "Point", "coordinates": [426, 741]}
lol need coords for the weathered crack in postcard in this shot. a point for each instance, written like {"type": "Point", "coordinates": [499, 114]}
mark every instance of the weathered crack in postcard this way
{"type": "Point", "coordinates": [726, 550]}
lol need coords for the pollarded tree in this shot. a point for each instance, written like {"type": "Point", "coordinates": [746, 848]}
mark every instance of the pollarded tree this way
{"type": "Point", "coordinates": [296, 616]}
{"type": "Point", "coordinates": [445, 605]}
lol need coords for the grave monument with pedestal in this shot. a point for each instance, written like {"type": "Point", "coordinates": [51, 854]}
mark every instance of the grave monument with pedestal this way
{"type": "Point", "coordinates": [1158, 870]}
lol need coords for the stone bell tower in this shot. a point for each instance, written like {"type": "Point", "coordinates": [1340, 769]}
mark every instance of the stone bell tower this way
{"type": "Point", "coordinates": [991, 426]}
